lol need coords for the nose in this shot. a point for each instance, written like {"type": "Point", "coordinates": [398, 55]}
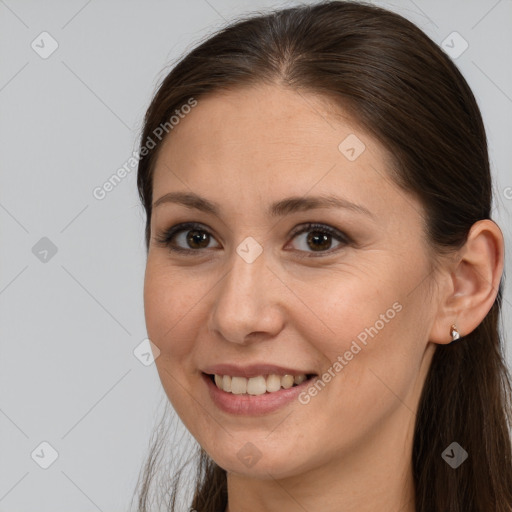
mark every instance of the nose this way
{"type": "Point", "coordinates": [248, 306]}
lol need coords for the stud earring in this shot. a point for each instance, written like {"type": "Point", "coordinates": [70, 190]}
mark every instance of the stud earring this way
{"type": "Point", "coordinates": [454, 333]}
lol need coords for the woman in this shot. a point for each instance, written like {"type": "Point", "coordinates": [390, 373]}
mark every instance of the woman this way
{"type": "Point", "coordinates": [323, 279]}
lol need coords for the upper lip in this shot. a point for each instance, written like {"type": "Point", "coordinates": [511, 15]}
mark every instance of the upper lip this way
{"type": "Point", "coordinates": [253, 370]}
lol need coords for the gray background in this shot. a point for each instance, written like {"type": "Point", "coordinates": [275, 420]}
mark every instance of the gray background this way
{"type": "Point", "coordinates": [70, 323]}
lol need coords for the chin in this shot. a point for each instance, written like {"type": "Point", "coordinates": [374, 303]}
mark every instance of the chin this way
{"type": "Point", "coordinates": [256, 460]}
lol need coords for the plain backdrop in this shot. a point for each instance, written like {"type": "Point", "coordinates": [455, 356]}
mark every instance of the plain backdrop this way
{"type": "Point", "coordinates": [73, 383]}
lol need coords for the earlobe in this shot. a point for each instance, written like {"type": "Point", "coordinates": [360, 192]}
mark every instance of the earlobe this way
{"type": "Point", "coordinates": [473, 284]}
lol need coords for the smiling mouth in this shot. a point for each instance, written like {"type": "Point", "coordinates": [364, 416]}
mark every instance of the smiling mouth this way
{"type": "Point", "coordinates": [258, 385]}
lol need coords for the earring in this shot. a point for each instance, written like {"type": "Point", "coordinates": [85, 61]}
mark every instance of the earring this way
{"type": "Point", "coordinates": [454, 333]}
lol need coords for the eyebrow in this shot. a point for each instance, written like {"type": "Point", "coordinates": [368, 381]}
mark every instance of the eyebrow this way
{"type": "Point", "coordinates": [277, 209]}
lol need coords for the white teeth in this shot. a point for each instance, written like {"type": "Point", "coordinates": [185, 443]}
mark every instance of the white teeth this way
{"type": "Point", "coordinates": [238, 385]}
{"type": "Point", "coordinates": [257, 385]}
{"type": "Point", "coordinates": [273, 383]}
{"type": "Point", "coordinates": [226, 383]}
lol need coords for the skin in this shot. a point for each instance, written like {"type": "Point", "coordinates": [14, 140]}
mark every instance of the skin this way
{"type": "Point", "coordinates": [349, 449]}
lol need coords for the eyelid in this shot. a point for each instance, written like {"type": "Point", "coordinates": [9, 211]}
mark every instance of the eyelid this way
{"type": "Point", "coordinates": [164, 238]}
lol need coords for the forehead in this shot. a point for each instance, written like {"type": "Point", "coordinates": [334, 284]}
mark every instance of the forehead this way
{"type": "Point", "coordinates": [241, 120]}
{"type": "Point", "coordinates": [265, 141]}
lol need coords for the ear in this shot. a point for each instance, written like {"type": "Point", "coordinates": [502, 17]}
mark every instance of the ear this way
{"type": "Point", "coordinates": [472, 282]}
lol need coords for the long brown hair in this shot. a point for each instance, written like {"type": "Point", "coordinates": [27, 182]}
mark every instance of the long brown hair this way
{"type": "Point", "coordinates": [409, 95]}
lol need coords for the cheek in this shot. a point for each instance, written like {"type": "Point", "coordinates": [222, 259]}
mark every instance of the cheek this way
{"type": "Point", "coordinates": [373, 371]}
{"type": "Point", "coordinates": [371, 342]}
{"type": "Point", "coordinates": [345, 310]}
{"type": "Point", "coordinates": [169, 316]}
{"type": "Point", "coordinates": [167, 310]}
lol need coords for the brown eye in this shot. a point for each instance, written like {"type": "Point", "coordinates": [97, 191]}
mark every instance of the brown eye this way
{"type": "Point", "coordinates": [318, 241]}
{"type": "Point", "coordinates": [186, 238]}
{"type": "Point", "coordinates": [319, 238]}
{"type": "Point", "coordinates": [197, 239]}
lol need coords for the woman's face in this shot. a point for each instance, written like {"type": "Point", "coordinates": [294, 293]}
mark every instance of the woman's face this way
{"type": "Point", "coordinates": [256, 292]}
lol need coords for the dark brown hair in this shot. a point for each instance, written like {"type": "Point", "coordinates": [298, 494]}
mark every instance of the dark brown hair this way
{"type": "Point", "coordinates": [403, 89]}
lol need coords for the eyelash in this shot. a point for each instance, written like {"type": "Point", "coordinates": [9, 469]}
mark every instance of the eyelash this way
{"type": "Point", "coordinates": [165, 238]}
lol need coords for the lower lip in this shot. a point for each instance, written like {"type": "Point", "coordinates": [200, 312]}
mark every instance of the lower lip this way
{"type": "Point", "coordinates": [253, 404]}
